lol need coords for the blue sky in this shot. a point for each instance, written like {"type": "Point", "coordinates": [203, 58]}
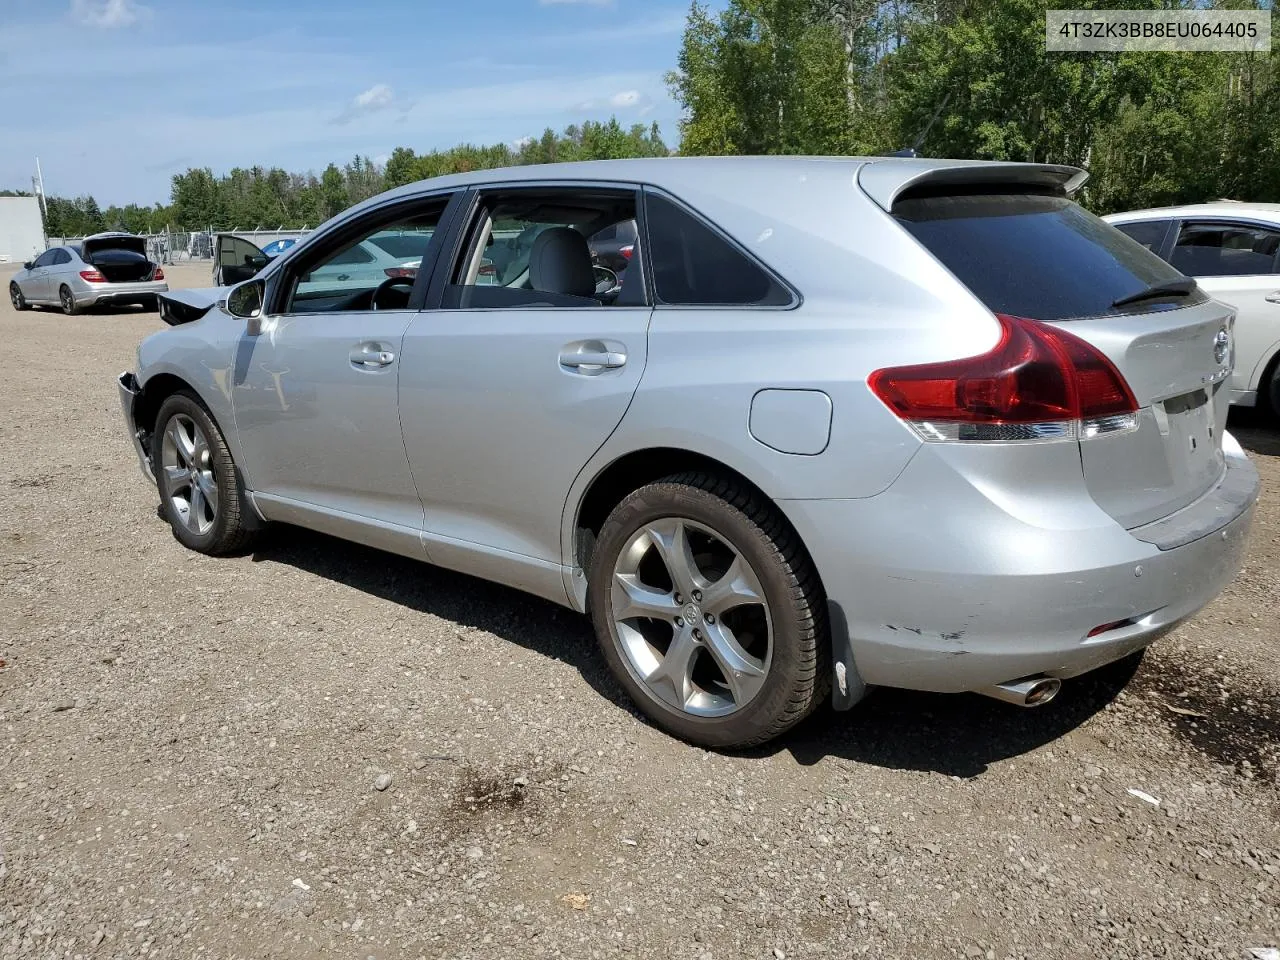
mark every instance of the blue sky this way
{"type": "Point", "coordinates": [115, 96]}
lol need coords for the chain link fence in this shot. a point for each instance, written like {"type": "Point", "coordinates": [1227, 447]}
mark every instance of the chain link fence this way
{"type": "Point", "coordinates": [182, 246]}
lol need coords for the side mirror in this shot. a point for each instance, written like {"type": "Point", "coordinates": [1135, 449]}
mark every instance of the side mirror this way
{"type": "Point", "coordinates": [245, 302]}
{"type": "Point", "coordinates": [606, 280]}
{"type": "Point", "coordinates": [26, 265]}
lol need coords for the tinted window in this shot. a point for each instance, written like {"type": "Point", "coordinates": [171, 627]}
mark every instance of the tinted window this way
{"type": "Point", "coordinates": [45, 259]}
{"type": "Point", "coordinates": [1149, 233]}
{"type": "Point", "coordinates": [693, 265]}
{"type": "Point", "coordinates": [1225, 250]}
{"type": "Point", "coordinates": [1041, 257]}
{"type": "Point", "coordinates": [61, 256]}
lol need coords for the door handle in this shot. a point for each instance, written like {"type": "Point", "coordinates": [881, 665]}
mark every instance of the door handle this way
{"type": "Point", "coordinates": [368, 355]}
{"type": "Point", "coordinates": [606, 360]}
{"type": "Point", "coordinates": [1273, 297]}
{"type": "Point", "coordinates": [343, 277]}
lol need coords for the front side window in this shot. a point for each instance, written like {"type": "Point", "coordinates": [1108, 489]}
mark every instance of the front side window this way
{"type": "Point", "coordinates": [373, 267]}
{"type": "Point", "coordinates": [1149, 233]}
{"type": "Point", "coordinates": [1225, 250]}
{"type": "Point", "coordinates": [529, 248]}
{"type": "Point", "coordinates": [45, 259]}
{"type": "Point", "coordinates": [694, 265]}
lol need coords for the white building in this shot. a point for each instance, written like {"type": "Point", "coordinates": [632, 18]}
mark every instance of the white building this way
{"type": "Point", "coordinates": [21, 229]}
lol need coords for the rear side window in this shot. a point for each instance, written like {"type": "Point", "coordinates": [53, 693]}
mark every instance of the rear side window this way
{"type": "Point", "coordinates": [61, 256]}
{"type": "Point", "coordinates": [1041, 257]}
{"type": "Point", "coordinates": [1225, 250]}
{"type": "Point", "coordinates": [1149, 233]}
{"type": "Point", "coordinates": [693, 265]}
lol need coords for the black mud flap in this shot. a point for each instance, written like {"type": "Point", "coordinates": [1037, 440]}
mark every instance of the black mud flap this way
{"type": "Point", "coordinates": [847, 686]}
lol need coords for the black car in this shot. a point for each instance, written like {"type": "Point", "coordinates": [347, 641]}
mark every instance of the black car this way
{"type": "Point", "coordinates": [613, 246]}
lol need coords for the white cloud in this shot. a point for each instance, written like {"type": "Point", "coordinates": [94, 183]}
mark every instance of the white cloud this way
{"type": "Point", "coordinates": [378, 97]}
{"type": "Point", "coordinates": [521, 143]}
{"type": "Point", "coordinates": [108, 13]}
{"type": "Point", "coordinates": [627, 98]}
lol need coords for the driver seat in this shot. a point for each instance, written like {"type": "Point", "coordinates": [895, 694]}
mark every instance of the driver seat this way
{"type": "Point", "coordinates": [560, 262]}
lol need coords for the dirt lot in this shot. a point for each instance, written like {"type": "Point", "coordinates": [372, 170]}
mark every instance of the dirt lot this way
{"type": "Point", "coordinates": [191, 747]}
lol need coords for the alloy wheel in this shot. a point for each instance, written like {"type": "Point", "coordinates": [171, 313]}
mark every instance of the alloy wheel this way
{"type": "Point", "coordinates": [15, 297]}
{"type": "Point", "coordinates": [190, 483]}
{"type": "Point", "coordinates": [67, 300]}
{"type": "Point", "coordinates": [690, 618]}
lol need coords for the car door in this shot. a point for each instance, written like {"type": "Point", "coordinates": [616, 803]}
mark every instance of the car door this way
{"type": "Point", "coordinates": [36, 285]}
{"type": "Point", "coordinates": [1237, 262]}
{"type": "Point", "coordinates": [508, 388]}
{"type": "Point", "coordinates": [237, 260]}
{"type": "Point", "coordinates": [315, 391]}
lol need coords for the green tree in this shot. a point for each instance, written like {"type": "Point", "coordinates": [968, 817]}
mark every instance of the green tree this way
{"type": "Point", "coordinates": [765, 76]}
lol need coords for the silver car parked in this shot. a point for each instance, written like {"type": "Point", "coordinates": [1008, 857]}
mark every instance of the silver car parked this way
{"type": "Point", "coordinates": [845, 422]}
{"type": "Point", "coordinates": [107, 268]}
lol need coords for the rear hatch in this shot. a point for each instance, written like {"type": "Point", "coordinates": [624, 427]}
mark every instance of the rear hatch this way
{"type": "Point", "coordinates": [120, 258]}
{"type": "Point", "coordinates": [1025, 250]}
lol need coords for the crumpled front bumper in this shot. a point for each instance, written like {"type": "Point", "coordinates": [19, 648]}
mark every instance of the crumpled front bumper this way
{"type": "Point", "coordinates": [130, 391]}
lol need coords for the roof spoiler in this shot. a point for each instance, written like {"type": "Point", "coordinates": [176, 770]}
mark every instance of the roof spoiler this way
{"type": "Point", "coordinates": [885, 180]}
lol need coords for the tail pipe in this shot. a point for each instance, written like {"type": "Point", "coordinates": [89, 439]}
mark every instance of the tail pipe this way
{"type": "Point", "coordinates": [1029, 692]}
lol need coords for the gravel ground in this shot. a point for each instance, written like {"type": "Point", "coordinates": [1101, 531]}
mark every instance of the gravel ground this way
{"type": "Point", "coordinates": [322, 751]}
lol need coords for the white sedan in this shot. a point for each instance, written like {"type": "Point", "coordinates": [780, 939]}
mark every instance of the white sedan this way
{"type": "Point", "coordinates": [1233, 251]}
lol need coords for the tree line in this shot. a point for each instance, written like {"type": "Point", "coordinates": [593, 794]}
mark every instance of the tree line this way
{"type": "Point", "coordinates": [270, 197]}
{"type": "Point", "coordinates": [972, 79]}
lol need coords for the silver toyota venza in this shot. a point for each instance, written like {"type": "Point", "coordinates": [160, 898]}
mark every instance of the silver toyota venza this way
{"type": "Point", "coordinates": [843, 422]}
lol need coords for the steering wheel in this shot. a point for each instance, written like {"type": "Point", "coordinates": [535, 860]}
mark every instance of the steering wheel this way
{"type": "Point", "coordinates": [384, 286]}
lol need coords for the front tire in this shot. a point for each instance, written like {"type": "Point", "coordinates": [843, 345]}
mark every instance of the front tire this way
{"type": "Point", "coordinates": [709, 611]}
{"type": "Point", "coordinates": [68, 301]}
{"type": "Point", "coordinates": [17, 299]}
{"type": "Point", "coordinates": [200, 493]}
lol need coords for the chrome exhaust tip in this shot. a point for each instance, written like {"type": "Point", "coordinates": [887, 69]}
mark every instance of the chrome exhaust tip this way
{"type": "Point", "coordinates": [1029, 692]}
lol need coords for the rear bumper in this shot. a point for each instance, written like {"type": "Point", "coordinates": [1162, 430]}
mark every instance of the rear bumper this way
{"type": "Point", "coordinates": [127, 385]}
{"type": "Point", "coordinates": [944, 589]}
{"type": "Point", "coordinates": [92, 294]}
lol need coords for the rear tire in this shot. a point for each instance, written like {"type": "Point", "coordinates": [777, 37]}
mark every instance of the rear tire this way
{"type": "Point", "coordinates": [68, 301]}
{"type": "Point", "coordinates": [17, 299]}
{"type": "Point", "coordinates": [200, 492]}
{"type": "Point", "coordinates": [752, 592]}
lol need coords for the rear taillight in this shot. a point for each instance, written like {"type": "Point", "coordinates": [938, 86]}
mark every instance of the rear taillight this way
{"type": "Point", "coordinates": [627, 251]}
{"type": "Point", "coordinates": [92, 276]}
{"type": "Point", "coordinates": [394, 272]}
{"type": "Point", "coordinates": [159, 274]}
{"type": "Point", "coordinates": [1038, 383]}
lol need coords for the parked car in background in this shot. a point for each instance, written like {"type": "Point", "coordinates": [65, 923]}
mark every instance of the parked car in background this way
{"type": "Point", "coordinates": [1233, 251]}
{"type": "Point", "coordinates": [971, 440]}
{"type": "Point", "coordinates": [277, 247]}
{"type": "Point", "coordinates": [107, 268]}
{"type": "Point", "coordinates": [614, 246]}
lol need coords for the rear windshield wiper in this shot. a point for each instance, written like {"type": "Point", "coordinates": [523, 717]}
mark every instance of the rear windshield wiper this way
{"type": "Point", "coordinates": [1182, 287]}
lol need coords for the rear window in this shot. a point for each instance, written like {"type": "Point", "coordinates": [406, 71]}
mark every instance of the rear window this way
{"type": "Point", "coordinates": [1035, 256]}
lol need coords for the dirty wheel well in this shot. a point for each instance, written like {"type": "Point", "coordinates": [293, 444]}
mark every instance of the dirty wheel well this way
{"type": "Point", "coordinates": [630, 473]}
{"type": "Point", "coordinates": [159, 388]}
